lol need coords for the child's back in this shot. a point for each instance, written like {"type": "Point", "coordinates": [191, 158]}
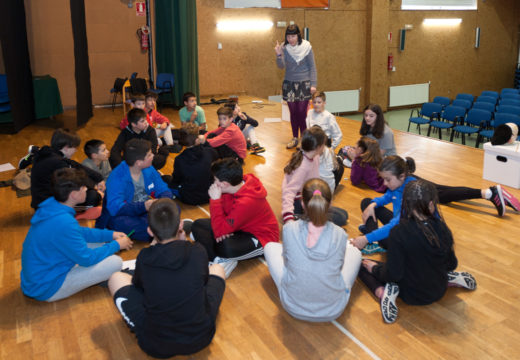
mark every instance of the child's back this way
{"type": "Point", "coordinates": [312, 286]}
{"type": "Point", "coordinates": [173, 277]}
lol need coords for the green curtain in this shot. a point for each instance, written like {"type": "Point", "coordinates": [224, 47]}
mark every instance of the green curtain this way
{"type": "Point", "coordinates": [176, 44]}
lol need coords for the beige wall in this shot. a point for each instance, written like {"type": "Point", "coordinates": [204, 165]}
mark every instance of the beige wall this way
{"type": "Point", "coordinates": [351, 49]}
{"type": "Point", "coordinates": [113, 45]}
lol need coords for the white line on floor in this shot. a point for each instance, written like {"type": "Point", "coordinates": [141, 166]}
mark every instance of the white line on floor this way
{"type": "Point", "coordinates": [344, 331]}
{"type": "Point", "coordinates": [203, 210]}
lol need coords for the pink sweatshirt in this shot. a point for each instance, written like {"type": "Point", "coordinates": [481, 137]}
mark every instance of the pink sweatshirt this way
{"type": "Point", "coordinates": [293, 183]}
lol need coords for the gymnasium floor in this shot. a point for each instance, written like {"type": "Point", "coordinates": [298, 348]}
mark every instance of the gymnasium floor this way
{"type": "Point", "coordinates": [251, 323]}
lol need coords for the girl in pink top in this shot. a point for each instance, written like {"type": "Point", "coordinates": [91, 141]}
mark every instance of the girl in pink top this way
{"type": "Point", "coordinates": [304, 165]}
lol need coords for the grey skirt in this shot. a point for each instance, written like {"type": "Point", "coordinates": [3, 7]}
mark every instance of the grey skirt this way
{"type": "Point", "coordinates": [296, 90]}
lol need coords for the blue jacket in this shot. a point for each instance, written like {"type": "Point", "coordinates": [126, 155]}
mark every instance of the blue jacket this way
{"type": "Point", "coordinates": [396, 198]}
{"type": "Point", "coordinates": [54, 244]}
{"type": "Point", "coordinates": [119, 193]}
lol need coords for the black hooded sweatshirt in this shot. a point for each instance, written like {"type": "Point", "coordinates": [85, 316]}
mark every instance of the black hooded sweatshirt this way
{"type": "Point", "coordinates": [173, 277]}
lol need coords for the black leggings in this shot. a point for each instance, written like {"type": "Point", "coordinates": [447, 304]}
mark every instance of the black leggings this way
{"type": "Point", "coordinates": [448, 194]}
{"type": "Point", "coordinates": [382, 214]}
{"type": "Point", "coordinates": [369, 279]}
{"type": "Point", "coordinates": [239, 246]}
{"type": "Point", "coordinates": [336, 215]}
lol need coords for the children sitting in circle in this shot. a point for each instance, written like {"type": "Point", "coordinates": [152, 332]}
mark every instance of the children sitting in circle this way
{"type": "Point", "coordinates": [314, 270]}
{"type": "Point", "coordinates": [420, 262]}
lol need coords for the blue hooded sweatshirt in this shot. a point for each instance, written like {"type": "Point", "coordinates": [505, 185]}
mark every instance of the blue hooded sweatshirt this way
{"type": "Point", "coordinates": [54, 244]}
{"type": "Point", "coordinates": [396, 198]}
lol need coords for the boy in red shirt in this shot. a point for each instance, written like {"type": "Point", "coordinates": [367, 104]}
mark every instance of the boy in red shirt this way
{"type": "Point", "coordinates": [242, 221]}
{"type": "Point", "coordinates": [227, 139]}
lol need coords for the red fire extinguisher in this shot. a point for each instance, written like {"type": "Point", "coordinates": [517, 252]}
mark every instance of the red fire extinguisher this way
{"type": "Point", "coordinates": [390, 62]}
{"type": "Point", "coordinates": [143, 33]}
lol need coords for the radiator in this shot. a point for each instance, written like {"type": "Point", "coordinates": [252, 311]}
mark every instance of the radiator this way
{"type": "Point", "coordinates": [409, 94]}
{"type": "Point", "coordinates": [342, 101]}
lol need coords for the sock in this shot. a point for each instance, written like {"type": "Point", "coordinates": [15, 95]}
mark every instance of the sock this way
{"type": "Point", "coordinates": [488, 194]}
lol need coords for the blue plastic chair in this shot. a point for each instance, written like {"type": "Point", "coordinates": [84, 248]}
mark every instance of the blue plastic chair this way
{"type": "Point", "coordinates": [508, 109]}
{"type": "Point", "coordinates": [428, 112]}
{"type": "Point", "coordinates": [449, 118]}
{"type": "Point", "coordinates": [164, 84]}
{"type": "Point", "coordinates": [476, 120]}
{"type": "Point", "coordinates": [512, 102]}
{"type": "Point", "coordinates": [463, 96]}
{"type": "Point", "coordinates": [500, 118]}
{"type": "Point", "coordinates": [509, 91]}
{"type": "Point", "coordinates": [489, 99]}
{"type": "Point", "coordinates": [510, 96]}
{"type": "Point", "coordinates": [490, 93]}
{"type": "Point", "coordinates": [443, 100]}
{"type": "Point", "coordinates": [484, 106]}
{"type": "Point", "coordinates": [462, 103]}
{"type": "Point", "coordinates": [4, 95]}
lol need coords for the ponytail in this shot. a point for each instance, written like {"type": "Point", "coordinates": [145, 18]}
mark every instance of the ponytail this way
{"type": "Point", "coordinates": [312, 139]}
{"type": "Point", "coordinates": [398, 166]}
{"type": "Point", "coordinates": [316, 198]}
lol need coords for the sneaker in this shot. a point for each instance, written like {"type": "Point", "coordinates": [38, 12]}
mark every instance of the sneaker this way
{"type": "Point", "coordinates": [186, 226]}
{"type": "Point", "coordinates": [27, 159]}
{"type": "Point", "coordinates": [347, 162]}
{"type": "Point", "coordinates": [510, 200]}
{"type": "Point", "coordinates": [292, 144]}
{"type": "Point", "coordinates": [370, 249]}
{"type": "Point", "coordinates": [497, 198]}
{"type": "Point", "coordinates": [257, 149]}
{"type": "Point", "coordinates": [389, 308]}
{"type": "Point", "coordinates": [363, 229]}
{"type": "Point", "coordinates": [462, 279]}
{"type": "Point", "coordinates": [227, 264]}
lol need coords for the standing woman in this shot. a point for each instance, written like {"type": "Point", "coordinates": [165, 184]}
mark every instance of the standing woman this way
{"type": "Point", "coordinates": [296, 56]}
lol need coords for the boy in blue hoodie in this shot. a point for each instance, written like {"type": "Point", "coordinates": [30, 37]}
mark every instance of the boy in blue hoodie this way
{"type": "Point", "coordinates": [59, 257]}
{"type": "Point", "coordinates": [131, 189]}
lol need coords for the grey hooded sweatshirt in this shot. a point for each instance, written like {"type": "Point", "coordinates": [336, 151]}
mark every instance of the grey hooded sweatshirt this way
{"type": "Point", "coordinates": [312, 287]}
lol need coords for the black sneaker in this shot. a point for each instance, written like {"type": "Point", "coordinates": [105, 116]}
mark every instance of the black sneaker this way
{"type": "Point", "coordinates": [186, 226]}
{"type": "Point", "coordinates": [462, 279]}
{"type": "Point", "coordinates": [497, 198]}
{"type": "Point", "coordinates": [363, 229]}
{"type": "Point", "coordinates": [388, 306]}
{"type": "Point", "coordinates": [27, 159]}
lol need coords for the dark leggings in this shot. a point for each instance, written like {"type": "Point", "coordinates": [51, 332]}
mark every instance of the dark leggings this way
{"type": "Point", "coordinates": [337, 215]}
{"type": "Point", "coordinates": [369, 279]}
{"type": "Point", "coordinates": [241, 245]}
{"type": "Point", "coordinates": [298, 111]}
{"type": "Point", "coordinates": [448, 194]}
{"type": "Point", "coordinates": [382, 214]}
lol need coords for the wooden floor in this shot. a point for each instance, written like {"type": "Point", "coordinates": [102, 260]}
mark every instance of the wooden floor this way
{"type": "Point", "coordinates": [252, 324]}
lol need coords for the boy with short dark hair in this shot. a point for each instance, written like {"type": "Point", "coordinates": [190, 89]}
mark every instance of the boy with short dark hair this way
{"type": "Point", "coordinates": [97, 157]}
{"type": "Point", "coordinates": [191, 112]}
{"type": "Point", "coordinates": [138, 129]}
{"type": "Point", "coordinates": [227, 139]}
{"type": "Point", "coordinates": [132, 187]}
{"type": "Point", "coordinates": [191, 175]}
{"type": "Point", "coordinates": [59, 257]}
{"type": "Point", "coordinates": [242, 220]}
{"type": "Point", "coordinates": [172, 300]}
{"type": "Point", "coordinates": [138, 102]}
{"type": "Point", "coordinates": [48, 159]}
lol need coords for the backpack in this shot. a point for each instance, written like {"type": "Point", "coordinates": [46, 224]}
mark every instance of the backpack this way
{"type": "Point", "coordinates": [139, 86]}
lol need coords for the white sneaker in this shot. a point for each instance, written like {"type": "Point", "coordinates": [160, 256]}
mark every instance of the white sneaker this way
{"type": "Point", "coordinates": [347, 162]}
{"type": "Point", "coordinates": [227, 264]}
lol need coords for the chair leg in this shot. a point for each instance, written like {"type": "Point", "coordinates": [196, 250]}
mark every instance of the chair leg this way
{"type": "Point", "coordinates": [114, 98]}
{"type": "Point", "coordinates": [409, 123]}
{"type": "Point", "coordinates": [477, 143]}
{"type": "Point", "coordinates": [463, 139]}
{"type": "Point", "coordinates": [452, 135]}
{"type": "Point", "coordinates": [429, 130]}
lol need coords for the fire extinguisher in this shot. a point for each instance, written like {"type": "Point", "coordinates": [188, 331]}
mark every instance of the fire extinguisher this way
{"type": "Point", "coordinates": [390, 62]}
{"type": "Point", "coordinates": [143, 33]}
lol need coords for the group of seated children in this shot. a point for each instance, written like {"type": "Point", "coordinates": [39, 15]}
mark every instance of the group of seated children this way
{"type": "Point", "coordinates": [315, 267]}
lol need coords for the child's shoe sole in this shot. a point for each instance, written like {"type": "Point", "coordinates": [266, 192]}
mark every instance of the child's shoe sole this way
{"type": "Point", "coordinates": [462, 279]}
{"type": "Point", "coordinates": [510, 200]}
{"type": "Point", "coordinates": [389, 308]}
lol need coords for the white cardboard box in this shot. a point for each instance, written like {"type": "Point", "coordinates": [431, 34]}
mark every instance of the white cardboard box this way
{"type": "Point", "coordinates": [502, 164]}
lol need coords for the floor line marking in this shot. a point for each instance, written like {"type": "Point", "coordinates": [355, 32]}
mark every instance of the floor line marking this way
{"type": "Point", "coordinates": [203, 210]}
{"type": "Point", "coordinates": [344, 331]}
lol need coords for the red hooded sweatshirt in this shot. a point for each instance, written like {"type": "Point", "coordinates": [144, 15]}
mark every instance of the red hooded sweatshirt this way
{"type": "Point", "coordinates": [246, 210]}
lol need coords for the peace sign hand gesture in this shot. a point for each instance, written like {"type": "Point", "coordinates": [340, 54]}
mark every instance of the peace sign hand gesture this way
{"type": "Point", "coordinates": [278, 48]}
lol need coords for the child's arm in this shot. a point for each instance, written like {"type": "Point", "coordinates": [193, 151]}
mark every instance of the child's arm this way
{"type": "Point", "coordinates": [201, 117]}
{"type": "Point", "coordinates": [240, 214]}
{"type": "Point", "coordinates": [221, 138]}
{"type": "Point", "coordinates": [249, 120]}
{"type": "Point", "coordinates": [335, 132]}
{"type": "Point", "coordinates": [292, 185]}
{"type": "Point", "coordinates": [356, 172]}
{"type": "Point", "coordinates": [382, 232]}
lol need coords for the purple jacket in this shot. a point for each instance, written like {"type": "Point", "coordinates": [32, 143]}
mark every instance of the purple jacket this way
{"type": "Point", "coordinates": [367, 174]}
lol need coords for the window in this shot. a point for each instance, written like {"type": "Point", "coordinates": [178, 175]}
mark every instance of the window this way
{"type": "Point", "coordinates": [439, 5]}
